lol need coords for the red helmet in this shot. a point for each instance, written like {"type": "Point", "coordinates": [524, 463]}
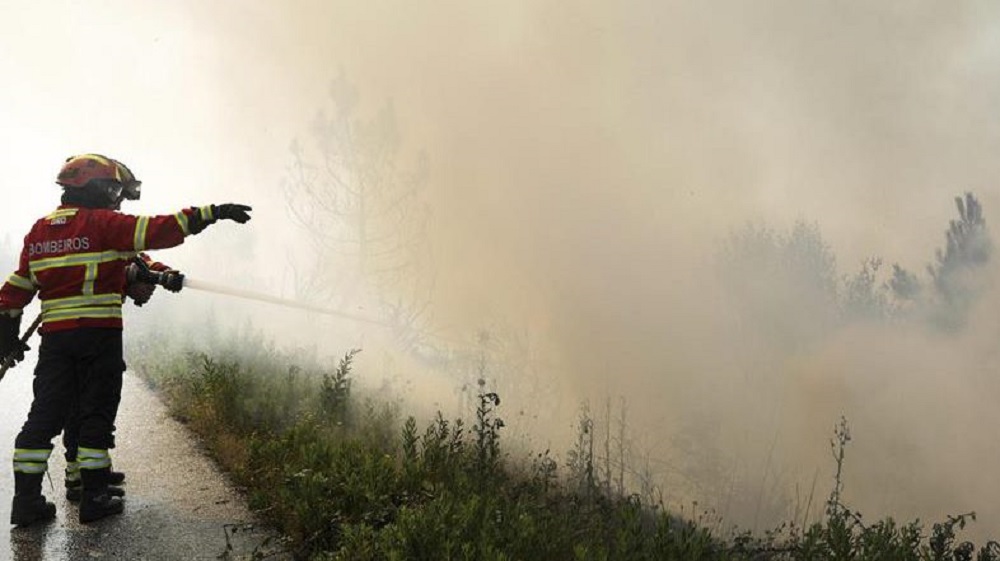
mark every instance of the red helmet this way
{"type": "Point", "coordinates": [80, 171]}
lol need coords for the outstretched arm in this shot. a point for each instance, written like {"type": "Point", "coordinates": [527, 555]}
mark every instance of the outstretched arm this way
{"type": "Point", "coordinates": [126, 232]}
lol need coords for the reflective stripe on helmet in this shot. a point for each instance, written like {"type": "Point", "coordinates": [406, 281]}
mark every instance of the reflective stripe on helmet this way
{"type": "Point", "coordinates": [80, 170]}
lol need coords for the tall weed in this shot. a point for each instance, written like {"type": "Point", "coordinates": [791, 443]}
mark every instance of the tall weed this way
{"type": "Point", "coordinates": [344, 479]}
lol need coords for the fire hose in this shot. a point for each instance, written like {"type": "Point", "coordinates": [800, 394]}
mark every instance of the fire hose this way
{"type": "Point", "coordinates": [142, 273]}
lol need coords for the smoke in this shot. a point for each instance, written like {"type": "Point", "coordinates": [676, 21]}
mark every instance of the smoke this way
{"type": "Point", "coordinates": [587, 161]}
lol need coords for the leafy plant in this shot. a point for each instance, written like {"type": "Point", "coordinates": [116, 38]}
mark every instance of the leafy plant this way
{"type": "Point", "coordinates": [375, 489]}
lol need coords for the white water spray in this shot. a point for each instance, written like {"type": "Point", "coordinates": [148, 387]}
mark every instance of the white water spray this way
{"type": "Point", "coordinates": [261, 297]}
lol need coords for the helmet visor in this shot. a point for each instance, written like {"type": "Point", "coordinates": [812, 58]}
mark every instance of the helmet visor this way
{"type": "Point", "coordinates": [132, 190]}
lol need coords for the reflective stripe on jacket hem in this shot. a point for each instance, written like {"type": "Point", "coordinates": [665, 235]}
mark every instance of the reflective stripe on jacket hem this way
{"type": "Point", "coordinates": [97, 312]}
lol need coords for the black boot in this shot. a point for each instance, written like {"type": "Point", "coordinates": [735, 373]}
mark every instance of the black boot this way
{"type": "Point", "coordinates": [74, 485]}
{"type": "Point", "coordinates": [96, 500]}
{"type": "Point", "coordinates": [29, 505]}
{"type": "Point", "coordinates": [74, 490]}
{"type": "Point", "coordinates": [116, 477]}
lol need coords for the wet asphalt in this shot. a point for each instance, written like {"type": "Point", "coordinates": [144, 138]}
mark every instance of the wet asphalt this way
{"type": "Point", "coordinates": [178, 505]}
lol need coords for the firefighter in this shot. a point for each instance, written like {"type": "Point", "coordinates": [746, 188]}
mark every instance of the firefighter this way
{"type": "Point", "coordinates": [140, 293]}
{"type": "Point", "coordinates": [75, 259]}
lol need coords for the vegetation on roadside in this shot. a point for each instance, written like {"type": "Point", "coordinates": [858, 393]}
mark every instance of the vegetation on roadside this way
{"type": "Point", "coordinates": [347, 478]}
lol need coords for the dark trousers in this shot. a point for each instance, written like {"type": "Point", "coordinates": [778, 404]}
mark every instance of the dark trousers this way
{"type": "Point", "coordinates": [71, 434]}
{"type": "Point", "coordinates": [79, 379]}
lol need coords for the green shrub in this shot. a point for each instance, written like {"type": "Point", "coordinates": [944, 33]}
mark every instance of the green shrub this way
{"type": "Point", "coordinates": [343, 479]}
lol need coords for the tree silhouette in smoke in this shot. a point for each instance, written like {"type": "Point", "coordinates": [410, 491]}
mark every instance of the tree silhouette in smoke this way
{"type": "Point", "coordinates": [967, 250]}
{"type": "Point", "coordinates": [863, 297]}
{"type": "Point", "coordinates": [786, 284]}
{"type": "Point", "coordinates": [363, 211]}
{"type": "Point", "coordinates": [783, 285]}
{"type": "Point", "coordinates": [904, 284]}
{"type": "Point", "coordinates": [786, 301]}
{"type": "Point", "coordinates": [956, 274]}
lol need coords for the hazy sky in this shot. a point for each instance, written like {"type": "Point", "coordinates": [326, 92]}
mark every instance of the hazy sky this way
{"type": "Point", "coordinates": [585, 157]}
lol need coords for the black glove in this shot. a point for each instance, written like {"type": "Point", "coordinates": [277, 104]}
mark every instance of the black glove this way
{"type": "Point", "coordinates": [11, 347]}
{"type": "Point", "coordinates": [140, 292]}
{"type": "Point", "coordinates": [172, 280]}
{"type": "Point", "coordinates": [232, 211]}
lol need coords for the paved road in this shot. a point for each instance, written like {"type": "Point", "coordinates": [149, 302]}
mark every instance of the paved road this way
{"type": "Point", "coordinates": [178, 505]}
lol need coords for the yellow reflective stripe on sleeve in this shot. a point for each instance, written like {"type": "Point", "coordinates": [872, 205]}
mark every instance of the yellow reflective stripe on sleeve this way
{"type": "Point", "coordinates": [141, 226]}
{"type": "Point", "coordinates": [20, 282]}
{"type": "Point", "coordinates": [81, 302]}
{"type": "Point", "coordinates": [205, 212]}
{"type": "Point", "coordinates": [83, 313]}
{"type": "Point", "coordinates": [182, 221]}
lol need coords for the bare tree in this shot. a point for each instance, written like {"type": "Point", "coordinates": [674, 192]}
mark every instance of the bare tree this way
{"type": "Point", "coordinates": [363, 210]}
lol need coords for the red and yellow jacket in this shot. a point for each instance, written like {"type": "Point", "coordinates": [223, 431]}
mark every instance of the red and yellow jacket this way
{"type": "Point", "coordinates": [75, 259]}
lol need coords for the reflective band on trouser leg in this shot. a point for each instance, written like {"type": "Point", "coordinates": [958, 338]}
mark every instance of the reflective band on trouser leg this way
{"type": "Point", "coordinates": [92, 458]}
{"type": "Point", "coordinates": [31, 461]}
{"type": "Point", "coordinates": [72, 471]}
